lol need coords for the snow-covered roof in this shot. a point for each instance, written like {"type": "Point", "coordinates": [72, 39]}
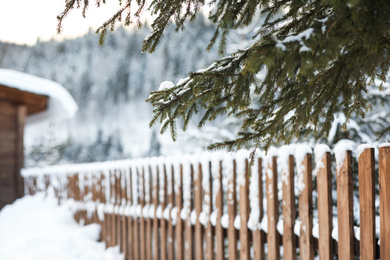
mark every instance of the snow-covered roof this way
{"type": "Point", "coordinates": [61, 104]}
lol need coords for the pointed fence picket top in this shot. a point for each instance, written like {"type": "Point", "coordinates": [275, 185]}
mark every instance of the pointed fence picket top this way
{"type": "Point", "coordinates": [213, 208]}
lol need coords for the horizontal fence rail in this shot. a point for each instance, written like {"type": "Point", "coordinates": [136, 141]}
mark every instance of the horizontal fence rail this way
{"type": "Point", "coordinates": [222, 206]}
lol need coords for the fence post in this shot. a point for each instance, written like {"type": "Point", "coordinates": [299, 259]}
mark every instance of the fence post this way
{"type": "Point", "coordinates": [345, 204]}
{"type": "Point", "coordinates": [272, 208]}
{"type": "Point", "coordinates": [325, 215]}
{"type": "Point", "coordinates": [384, 200]}
{"type": "Point", "coordinates": [367, 204]}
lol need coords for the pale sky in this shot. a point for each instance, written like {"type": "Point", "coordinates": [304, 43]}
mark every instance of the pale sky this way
{"type": "Point", "coordinates": [23, 21]}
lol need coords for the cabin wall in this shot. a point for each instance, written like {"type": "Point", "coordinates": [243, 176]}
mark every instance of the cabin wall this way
{"type": "Point", "coordinates": [12, 121]}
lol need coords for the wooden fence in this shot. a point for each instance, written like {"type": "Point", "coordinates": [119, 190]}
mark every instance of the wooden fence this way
{"type": "Point", "coordinates": [208, 207]}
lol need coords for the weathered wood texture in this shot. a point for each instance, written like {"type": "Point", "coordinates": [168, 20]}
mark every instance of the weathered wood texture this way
{"type": "Point", "coordinates": [12, 122]}
{"type": "Point", "coordinates": [325, 216]}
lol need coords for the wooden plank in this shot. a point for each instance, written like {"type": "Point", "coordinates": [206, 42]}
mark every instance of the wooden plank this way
{"type": "Point", "coordinates": [178, 173]}
{"type": "Point", "coordinates": [123, 216]}
{"type": "Point", "coordinates": [188, 205]}
{"type": "Point", "coordinates": [384, 201]}
{"type": "Point", "coordinates": [163, 222]}
{"type": "Point", "coordinates": [367, 204]}
{"type": "Point", "coordinates": [288, 210]}
{"type": "Point", "coordinates": [170, 194]}
{"type": "Point", "coordinates": [136, 249]}
{"type": "Point", "coordinates": [208, 208]}
{"type": "Point", "coordinates": [220, 238]}
{"type": "Point", "coordinates": [118, 202]}
{"type": "Point", "coordinates": [141, 217]}
{"type": "Point", "coordinates": [148, 195]}
{"type": "Point", "coordinates": [345, 207]}
{"type": "Point", "coordinates": [257, 183]}
{"type": "Point", "coordinates": [272, 209]}
{"type": "Point", "coordinates": [305, 202]}
{"type": "Point", "coordinates": [325, 215]}
{"type": "Point", "coordinates": [232, 210]}
{"type": "Point", "coordinates": [130, 224]}
{"type": "Point", "coordinates": [156, 240]}
{"type": "Point", "coordinates": [21, 111]}
{"type": "Point", "coordinates": [7, 108]}
{"type": "Point", "coordinates": [198, 209]}
{"type": "Point", "coordinates": [244, 212]}
{"type": "Point", "coordinates": [113, 217]}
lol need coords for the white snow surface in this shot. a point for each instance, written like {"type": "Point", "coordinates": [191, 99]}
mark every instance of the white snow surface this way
{"type": "Point", "coordinates": [35, 227]}
{"type": "Point", "coordinates": [340, 150]}
{"type": "Point", "coordinates": [61, 104]}
{"type": "Point", "coordinates": [320, 150]}
{"type": "Point", "coordinates": [363, 147]}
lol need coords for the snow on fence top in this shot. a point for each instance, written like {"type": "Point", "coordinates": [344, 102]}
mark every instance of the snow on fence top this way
{"type": "Point", "coordinates": [61, 104]}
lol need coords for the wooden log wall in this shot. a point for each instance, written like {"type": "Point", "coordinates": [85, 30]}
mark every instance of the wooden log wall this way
{"type": "Point", "coordinates": [220, 207]}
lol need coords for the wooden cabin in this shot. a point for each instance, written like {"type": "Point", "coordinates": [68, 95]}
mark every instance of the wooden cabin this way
{"type": "Point", "coordinates": [15, 106]}
{"type": "Point", "coordinates": [24, 99]}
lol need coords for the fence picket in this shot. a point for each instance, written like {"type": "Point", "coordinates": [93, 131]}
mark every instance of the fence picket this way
{"type": "Point", "coordinates": [163, 222]}
{"type": "Point", "coordinates": [156, 241]}
{"type": "Point", "coordinates": [288, 210]}
{"type": "Point", "coordinates": [232, 211]}
{"type": "Point", "coordinates": [178, 173]}
{"type": "Point", "coordinates": [171, 195]}
{"type": "Point", "coordinates": [258, 238]}
{"type": "Point", "coordinates": [220, 239]}
{"type": "Point", "coordinates": [130, 230]}
{"type": "Point", "coordinates": [244, 213]}
{"type": "Point", "coordinates": [384, 200]}
{"type": "Point", "coordinates": [148, 196]}
{"type": "Point", "coordinates": [198, 209]}
{"type": "Point", "coordinates": [136, 251]}
{"type": "Point", "coordinates": [367, 204]}
{"type": "Point", "coordinates": [142, 229]}
{"type": "Point", "coordinates": [272, 209]}
{"type": "Point", "coordinates": [325, 216]}
{"type": "Point", "coordinates": [188, 243]}
{"type": "Point", "coordinates": [208, 207]}
{"type": "Point", "coordinates": [345, 207]}
{"type": "Point", "coordinates": [305, 202]}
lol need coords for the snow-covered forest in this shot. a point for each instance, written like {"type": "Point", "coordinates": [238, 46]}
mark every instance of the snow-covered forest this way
{"type": "Point", "coordinates": [110, 84]}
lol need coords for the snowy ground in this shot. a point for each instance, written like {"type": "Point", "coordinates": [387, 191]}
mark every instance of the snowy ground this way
{"type": "Point", "coordinates": [35, 227]}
